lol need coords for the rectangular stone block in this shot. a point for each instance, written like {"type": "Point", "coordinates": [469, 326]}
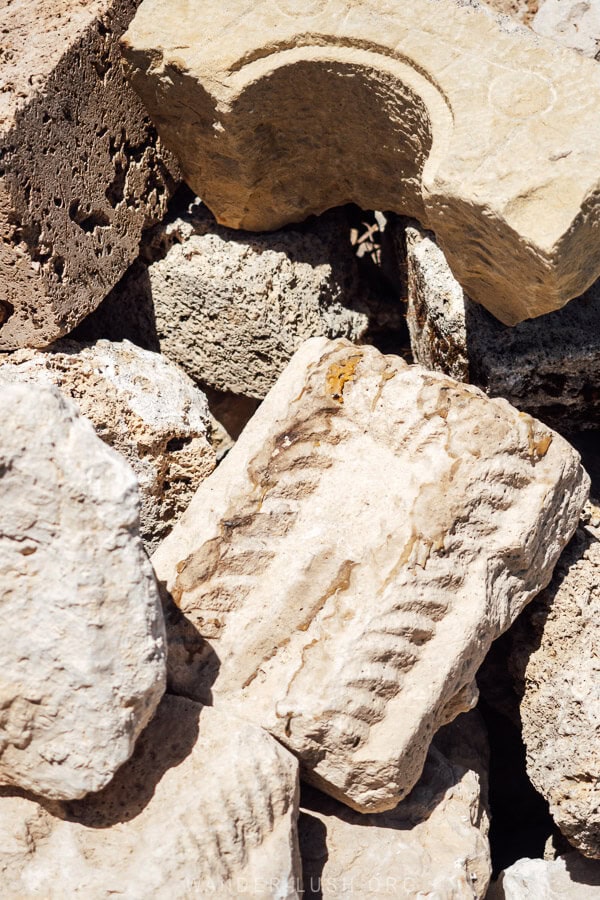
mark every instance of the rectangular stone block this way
{"type": "Point", "coordinates": [81, 170]}
{"type": "Point", "coordinates": [342, 574]}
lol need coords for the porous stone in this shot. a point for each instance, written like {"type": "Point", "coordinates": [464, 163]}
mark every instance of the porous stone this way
{"type": "Point", "coordinates": [554, 657]}
{"type": "Point", "coordinates": [433, 844]}
{"type": "Point", "coordinates": [485, 133]}
{"type": "Point", "coordinates": [206, 807]}
{"type": "Point", "coordinates": [82, 649]}
{"type": "Point", "coordinates": [523, 10]}
{"type": "Point", "coordinates": [143, 406]}
{"type": "Point", "coordinates": [574, 23]}
{"type": "Point", "coordinates": [570, 877]}
{"type": "Point", "coordinates": [81, 170]}
{"type": "Point", "coordinates": [232, 308]}
{"type": "Point", "coordinates": [348, 564]}
{"type": "Point", "coordinates": [549, 367]}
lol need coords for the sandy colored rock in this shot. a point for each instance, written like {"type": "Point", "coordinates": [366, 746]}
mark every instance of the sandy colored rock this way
{"type": "Point", "coordinates": [548, 367]}
{"type": "Point", "coordinates": [574, 23]}
{"type": "Point", "coordinates": [82, 648]}
{"type": "Point", "coordinates": [523, 10]}
{"type": "Point", "coordinates": [444, 111]}
{"type": "Point", "coordinates": [348, 564]}
{"type": "Point", "coordinates": [82, 172]}
{"type": "Point", "coordinates": [555, 661]}
{"type": "Point", "coordinates": [206, 807]}
{"type": "Point", "coordinates": [140, 404]}
{"type": "Point", "coordinates": [433, 844]}
{"type": "Point", "coordinates": [570, 877]}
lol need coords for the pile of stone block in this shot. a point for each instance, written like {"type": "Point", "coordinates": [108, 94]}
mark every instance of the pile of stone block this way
{"type": "Point", "coordinates": [289, 529]}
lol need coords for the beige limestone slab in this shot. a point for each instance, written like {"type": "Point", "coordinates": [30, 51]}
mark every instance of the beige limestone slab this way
{"type": "Point", "coordinates": [439, 109]}
{"type": "Point", "coordinates": [348, 564]}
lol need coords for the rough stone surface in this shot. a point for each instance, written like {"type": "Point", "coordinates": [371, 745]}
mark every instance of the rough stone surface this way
{"type": "Point", "coordinates": [206, 807]}
{"type": "Point", "coordinates": [232, 308]}
{"type": "Point", "coordinates": [433, 844]}
{"type": "Point", "coordinates": [348, 564]}
{"type": "Point", "coordinates": [555, 661]}
{"type": "Point", "coordinates": [486, 133]}
{"type": "Point", "coordinates": [574, 23]}
{"type": "Point", "coordinates": [81, 171]}
{"type": "Point", "coordinates": [570, 877]}
{"type": "Point", "coordinates": [523, 10]}
{"type": "Point", "coordinates": [549, 367]}
{"type": "Point", "coordinates": [82, 648]}
{"type": "Point", "coordinates": [140, 404]}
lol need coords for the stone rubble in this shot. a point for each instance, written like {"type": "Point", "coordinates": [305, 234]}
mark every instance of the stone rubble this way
{"type": "Point", "coordinates": [555, 661]}
{"type": "Point", "coordinates": [359, 545]}
{"type": "Point", "coordinates": [82, 173]}
{"type": "Point", "coordinates": [140, 404]}
{"type": "Point", "coordinates": [82, 644]}
{"type": "Point", "coordinates": [348, 612]}
{"type": "Point", "coordinates": [206, 807]}
{"type": "Point", "coordinates": [433, 844]}
{"type": "Point", "coordinates": [548, 367]}
{"type": "Point", "coordinates": [511, 201]}
{"type": "Point", "coordinates": [570, 877]}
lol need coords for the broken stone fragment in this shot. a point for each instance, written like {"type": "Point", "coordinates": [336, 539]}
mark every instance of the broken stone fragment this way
{"type": "Point", "coordinates": [349, 563]}
{"type": "Point", "coordinates": [570, 877]}
{"type": "Point", "coordinates": [433, 844]}
{"type": "Point", "coordinates": [548, 367]}
{"type": "Point", "coordinates": [140, 404]}
{"type": "Point", "coordinates": [443, 110]}
{"type": "Point", "coordinates": [232, 308]}
{"type": "Point", "coordinates": [82, 645]}
{"type": "Point", "coordinates": [206, 807]}
{"type": "Point", "coordinates": [554, 657]}
{"type": "Point", "coordinates": [82, 173]}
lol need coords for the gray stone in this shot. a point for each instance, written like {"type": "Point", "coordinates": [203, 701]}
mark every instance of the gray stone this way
{"type": "Point", "coordinates": [570, 877]}
{"type": "Point", "coordinates": [548, 367]}
{"type": "Point", "coordinates": [82, 644]}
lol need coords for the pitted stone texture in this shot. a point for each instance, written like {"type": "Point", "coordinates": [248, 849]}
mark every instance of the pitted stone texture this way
{"type": "Point", "coordinates": [206, 807]}
{"type": "Point", "coordinates": [233, 308]}
{"type": "Point", "coordinates": [433, 844]}
{"type": "Point", "coordinates": [549, 367]}
{"type": "Point", "coordinates": [555, 661]}
{"type": "Point", "coordinates": [82, 649]}
{"type": "Point", "coordinates": [81, 170]}
{"type": "Point", "coordinates": [574, 23]}
{"type": "Point", "coordinates": [523, 10]}
{"type": "Point", "coordinates": [570, 877]}
{"type": "Point", "coordinates": [449, 113]}
{"type": "Point", "coordinates": [348, 564]}
{"type": "Point", "coordinates": [140, 404]}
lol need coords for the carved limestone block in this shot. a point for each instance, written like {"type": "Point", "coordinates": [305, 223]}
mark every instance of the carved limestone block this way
{"type": "Point", "coordinates": [206, 807]}
{"type": "Point", "coordinates": [439, 109]}
{"type": "Point", "coordinates": [349, 563]}
{"type": "Point", "coordinates": [81, 171]}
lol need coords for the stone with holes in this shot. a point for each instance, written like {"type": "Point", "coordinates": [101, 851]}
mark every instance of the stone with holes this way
{"type": "Point", "coordinates": [143, 406]}
{"type": "Point", "coordinates": [81, 171]}
{"type": "Point", "coordinates": [82, 644]}
{"type": "Point", "coordinates": [548, 367]}
{"type": "Point", "coordinates": [349, 563]}
{"type": "Point", "coordinates": [442, 110]}
{"type": "Point", "coordinates": [206, 807]}
{"type": "Point", "coordinates": [554, 658]}
{"type": "Point", "coordinates": [433, 844]}
{"type": "Point", "coordinates": [232, 308]}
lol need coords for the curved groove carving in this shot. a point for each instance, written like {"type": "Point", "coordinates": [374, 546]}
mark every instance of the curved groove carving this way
{"type": "Point", "coordinates": [444, 111]}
